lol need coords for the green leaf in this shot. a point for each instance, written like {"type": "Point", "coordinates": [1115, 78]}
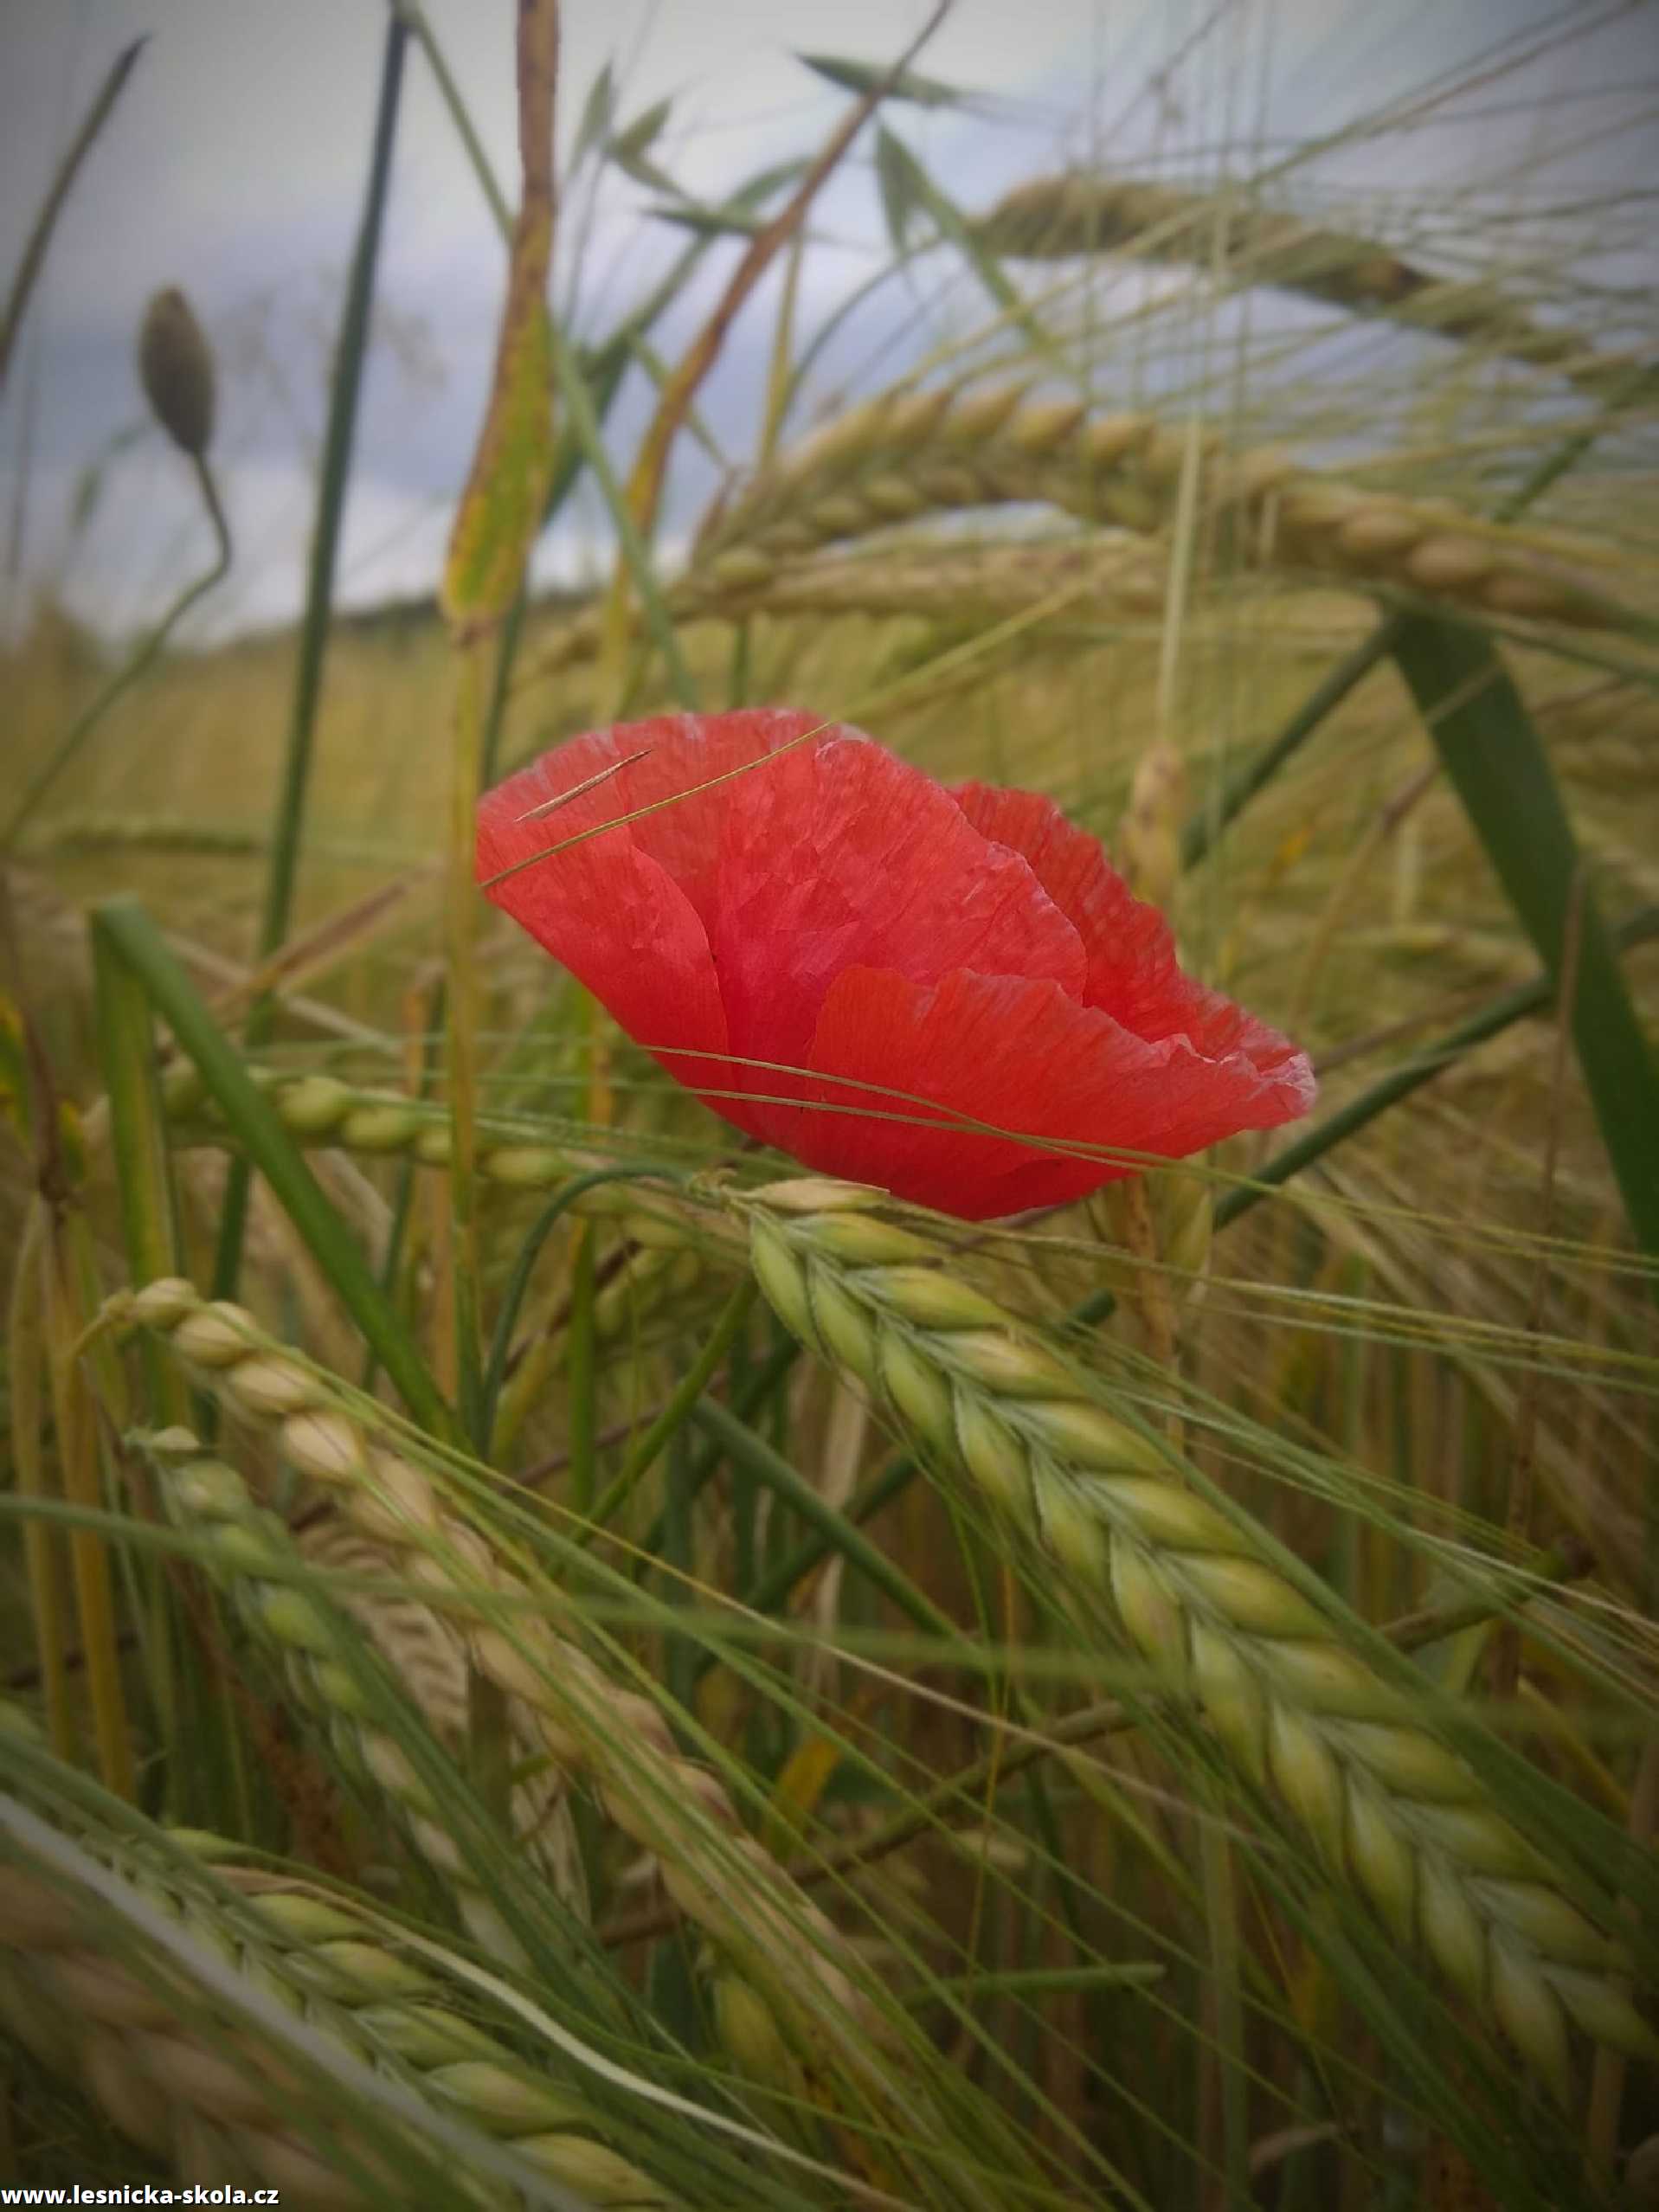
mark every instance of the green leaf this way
{"type": "Point", "coordinates": [598, 112]}
{"type": "Point", "coordinates": [259, 1134]}
{"type": "Point", "coordinates": [629, 147]}
{"type": "Point", "coordinates": [896, 181]}
{"type": "Point", "coordinates": [868, 76]}
{"type": "Point", "coordinates": [1495, 759]}
{"type": "Point", "coordinates": [639, 136]}
{"type": "Point", "coordinates": [710, 222]}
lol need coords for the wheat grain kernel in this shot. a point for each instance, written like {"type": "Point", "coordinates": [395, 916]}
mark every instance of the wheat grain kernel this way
{"type": "Point", "coordinates": [1150, 1613]}
{"type": "Point", "coordinates": [843, 1326]}
{"type": "Point", "coordinates": [214, 1336]}
{"type": "Point", "coordinates": [918, 1391]}
{"type": "Point", "coordinates": [1549, 1923]}
{"type": "Point", "coordinates": [1070, 1528]}
{"type": "Point", "coordinates": [1231, 1697]}
{"type": "Point", "coordinates": [1009, 1364]}
{"type": "Point", "coordinates": [1308, 1779]}
{"type": "Point", "coordinates": [930, 1298]}
{"type": "Point", "coordinates": [1251, 1597]}
{"type": "Point", "coordinates": [781, 1281]}
{"type": "Point", "coordinates": [1333, 1681]}
{"type": "Point", "coordinates": [979, 415]}
{"type": "Point", "coordinates": [1076, 1429]}
{"type": "Point", "coordinates": [379, 1128]}
{"type": "Point", "coordinates": [1378, 533]}
{"type": "Point", "coordinates": [1160, 1513]}
{"type": "Point", "coordinates": [270, 1387]}
{"type": "Point", "coordinates": [912, 418]}
{"type": "Point", "coordinates": [1382, 1858]}
{"type": "Point", "coordinates": [1449, 564]}
{"type": "Point", "coordinates": [325, 1446]}
{"type": "Point", "coordinates": [948, 486]}
{"type": "Point", "coordinates": [860, 1240]}
{"type": "Point", "coordinates": [1452, 1929]}
{"type": "Point", "coordinates": [1603, 2011]}
{"type": "Point", "coordinates": [294, 1619]}
{"type": "Point", "coordinates": [840, 515]}
{"type": "Point", "coordinates": [313, 1105]}
{"type": "Point", "coordinates": [1529, 2014]}
{"type": "Point", "coordinates": [741, 568]}
{"type": "Point", "coordinates": [1477, 1839]}
{"type": "Point", "coordinates": [992, 1455]}
{"type": "Point", "coordinates": [526, 1167]}
{"type": "Point", "coordinates": [1406, 1760]}
{"type": "Point", "coordinates": [1044, 427]}
{"type": "Point", "coordinates": [1110, 439]}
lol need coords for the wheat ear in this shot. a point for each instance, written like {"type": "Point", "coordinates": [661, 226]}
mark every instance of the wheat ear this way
{"type": "Point", "coordinates": [263, 1568]}
{"type": "Point", "coordinates": [904, 455]}
{"type": "Point", "coordinates": [1066, 217]}
{"type": "Point", "coordinates": [590, 1725]}
{"type": "Point", "coordinates": [213, 2103]}
{"type": "Point", "coordinates": [1391, 1808]}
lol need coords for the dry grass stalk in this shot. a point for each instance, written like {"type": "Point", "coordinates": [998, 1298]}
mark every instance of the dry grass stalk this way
{"type": "Point", "coordinates": [590, 1725]}
{"type": "Point", "coordinates": [907, 455]}
{"type": "Point", "coordinates": [1392, 1811]}
{"type": "Point", "coordinates": [1068, 217]}
{"type": "Point", "coordinates": [211, 2102]}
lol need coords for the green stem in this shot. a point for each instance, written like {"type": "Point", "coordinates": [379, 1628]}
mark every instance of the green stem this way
{"type": "Point", "coordinates": [344, 391]}
{"type": "Point", "coordinates": [836, 1530]}
{"type": "Point", "coordinates": [690, 1386]}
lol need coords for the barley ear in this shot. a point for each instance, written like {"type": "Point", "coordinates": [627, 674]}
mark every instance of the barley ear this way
{"type": "Point", "coordinates": [1392, 1812]}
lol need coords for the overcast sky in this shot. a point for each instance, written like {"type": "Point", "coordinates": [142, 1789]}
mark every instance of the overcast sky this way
{"type": "Point", "coordinates": [234, 166]}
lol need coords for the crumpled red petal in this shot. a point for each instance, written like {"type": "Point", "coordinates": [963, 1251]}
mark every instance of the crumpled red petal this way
{"type": "Point", "coordinates": [947, 982]}
{"type": "Point", "coordinates": [971, 1044]}
{"type": "Point", "coordinates": [840, 855]}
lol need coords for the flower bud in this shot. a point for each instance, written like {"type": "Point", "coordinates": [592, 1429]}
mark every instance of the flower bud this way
{"type": "Point", "coordinates": [176, 369]}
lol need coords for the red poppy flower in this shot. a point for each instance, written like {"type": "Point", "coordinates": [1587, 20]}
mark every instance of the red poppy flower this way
{"type": "Point", "coordinates": [870, 971]}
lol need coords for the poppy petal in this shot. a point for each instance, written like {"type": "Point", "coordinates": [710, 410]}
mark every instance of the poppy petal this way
{"type": "Point", "coordinates": [840, 855]}
{"type": "Point", "coordinates": [1018, 1055]}
{"type": "Point", "coordinates": [1133, 971]}
{"type": "Point", "coordinates": [667, 758]}
{"type": "Point", "coordinates": [614, 916]}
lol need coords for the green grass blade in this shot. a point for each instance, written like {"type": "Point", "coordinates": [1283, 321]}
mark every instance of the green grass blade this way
{"type": "Point", "coordinates": [40, 237]}
{"type": "Point", "coordinates": [138, 1143]}
{"type": "Point", "coordinates": [1497, 760]}
{"type": "Point", "coordinates": [840, 1534]}
{"type": "Point", "coordinates": [260, 1136]}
